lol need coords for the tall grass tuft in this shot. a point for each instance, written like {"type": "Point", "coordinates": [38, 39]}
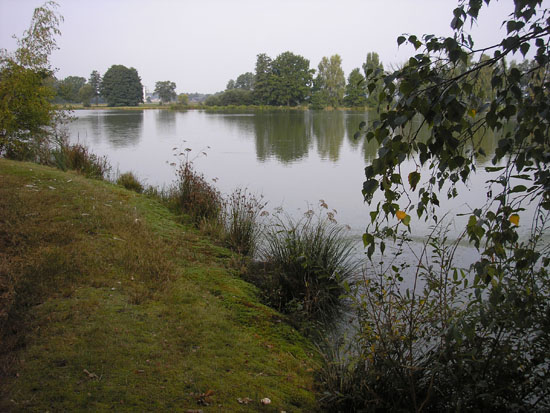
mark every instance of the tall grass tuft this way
{"type": "Point", "coordinates": [195, 196]}
{"type": "Point", "coordinates": [77, 157]}
{"type": "Point", "coordinates": [129, 181]}
{"type": "Point", "coordinates": [310, 259]}
{"type": "Point", "coordinates": [242, 211]}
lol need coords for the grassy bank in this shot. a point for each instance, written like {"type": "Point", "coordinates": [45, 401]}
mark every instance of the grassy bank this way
{"type": "Point", "coordinates": [108, 303]}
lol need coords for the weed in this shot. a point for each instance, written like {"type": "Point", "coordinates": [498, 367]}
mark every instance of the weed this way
{"type": "Point", "coordinates": [78, 158]}
{"type": "Point", "coordinates": [242, 211]}
{"type": "Point", "coordinates": [310, 260]}
{"type": "Point", "coordinates": [195, 196]}
{"type": "Point", "coordinates": [129, 181]}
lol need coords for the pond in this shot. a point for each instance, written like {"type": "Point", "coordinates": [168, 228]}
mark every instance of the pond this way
{"type": "Point", "coordinates": [294, 159]}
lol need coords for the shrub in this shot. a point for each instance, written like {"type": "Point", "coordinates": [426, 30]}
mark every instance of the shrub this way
{"type": "Point", "coordinates": [129, 181]}
{"type": "Point", "coordinates": [242, 211]}
{"type": "Point", "coordinates": [450, 342]}
{"type": "Point", "coordinates": [195, 196]}
{"type": "Point", "coordinates": [311, 259]}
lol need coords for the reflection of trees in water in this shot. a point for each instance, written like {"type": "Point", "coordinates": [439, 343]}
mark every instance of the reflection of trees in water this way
{"type": "Point", "coordinates": [484, 139]}
{"type": "Point", "coordinates": [352, 121]}
{"type": "Point", "coordinates": [123, 128]}
{"type": "Point", "coordinates": [165, 121]}
{"type": "Point", "coordinates": [329, 131]}
{"type": "Point", "coordinates": [286, 136]}
{"type": "Point", "coordinates": [90, 127]}
{"type": "Point", "coordinates": [243, 123]}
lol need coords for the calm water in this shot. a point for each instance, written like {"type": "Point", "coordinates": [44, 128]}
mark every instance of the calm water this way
{"type": "Point", "coordinates": [294, 159]}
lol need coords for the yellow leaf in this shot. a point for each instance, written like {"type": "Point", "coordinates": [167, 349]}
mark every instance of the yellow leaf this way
{"type": "Point", "coordinates": [514, 219]}
{"type": "Point", "coordinates": [472, 113]}
{"type": "Point", "coordinates": [401, 215]}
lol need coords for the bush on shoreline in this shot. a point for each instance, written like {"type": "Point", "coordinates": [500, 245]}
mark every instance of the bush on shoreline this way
{"type": "Point", "coordinates": [310, 260]}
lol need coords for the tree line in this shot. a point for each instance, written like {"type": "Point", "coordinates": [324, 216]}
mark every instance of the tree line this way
{"type": "Point", "coordinates": [119, 86]}
{"type": "Point", "coordinates": [288, 80]}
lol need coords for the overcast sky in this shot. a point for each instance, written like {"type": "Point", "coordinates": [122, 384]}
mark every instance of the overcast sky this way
{"type": "Point", "coordinates": [201, 44]}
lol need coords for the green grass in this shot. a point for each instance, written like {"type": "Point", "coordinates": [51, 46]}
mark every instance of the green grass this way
{"type": "Point", "coordinates": [107, 303]}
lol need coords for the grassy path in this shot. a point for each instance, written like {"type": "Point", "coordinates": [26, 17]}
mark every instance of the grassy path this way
{"type": "Point", "coordinates": [107, 303]}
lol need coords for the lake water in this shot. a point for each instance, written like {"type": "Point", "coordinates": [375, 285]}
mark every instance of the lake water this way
{"type": "Point", "coordinates": [294, 159]}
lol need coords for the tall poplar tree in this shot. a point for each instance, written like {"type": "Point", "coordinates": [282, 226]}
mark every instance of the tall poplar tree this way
{"type": "Point", "coordinates": [95, 83]}
{"type": "Point", "coordinates": [263, 80]}
{"type": "Point", "coordinates": [332, 79]}
{"type": "Point", "coordinates": [373, 67]}
{"type": "Point", "coordinates": [355, 89]}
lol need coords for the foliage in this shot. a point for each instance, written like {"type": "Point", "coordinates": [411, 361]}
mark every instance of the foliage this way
{"type": "Point", "coordinates": [355, 90]}
{"type": "Point", "coordinates": [166, 91]}
{"type": "Point", "coordinates": [331, 79]}
{"type": "Point", "coordinates": [25, 111]}
{"type": "Point", "coordinates": [68, 89]}
{"type": "Point", "coordinates": [129, 181]}
{"type": "Point", "coordinates": [242, 211]}
{"type": "Point", "coordinates": [78, 158]}
{"type": "Point", "coordinates": [183, 99]}
{"type": "Point", "coordinates": [373, 69]}
{"type": "Point", "coordinates": [95, 83]}
{"type": "Point", "coordinates": [287, 80]}
{"type": "Point", "coordinates": [291, 79]}
{"type": "Point", "coordinates": [230, 85]}
{"type": "Point", "coordinates": [85, 94]}
{"type": "Point", "coordinates": [477, 338]}
{"type": "Point", "coordinates": [263, 83]}
{"type": "Point", "coordinates": [39, 41]}
{"type": "Point", "coordinates": [245, 81]}
{"type": "Point", "coordinates": [27, 118]}
{"type": "Point", "coordinates": [195, 196]}
{"type": "Point", "coordinates": [122, 86]}
{"type": "Point", "coordinates": [310, 259]}
{"type": "Point", "coordinates": [233, 96]}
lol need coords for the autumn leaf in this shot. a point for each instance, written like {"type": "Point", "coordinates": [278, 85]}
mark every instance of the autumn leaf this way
{"type": "Point", "coordinates": [403, 217]}
{"type": "Point", "coordinates": [514, 219]}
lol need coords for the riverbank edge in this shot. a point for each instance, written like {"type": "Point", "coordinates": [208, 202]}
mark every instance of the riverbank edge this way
{"type": "Point", "coordinates": [221, 109]}
{"type": "Point", "coordinates": [108, 329]}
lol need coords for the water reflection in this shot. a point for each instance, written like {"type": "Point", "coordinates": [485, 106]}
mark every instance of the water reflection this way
{"type": "Point", "coordinates": [352, 121]}
{"type": "Point", "coordinates": [284, 136]}
{"type": "Point", "coordinates": [123, 128]}
{"type": "Point", "coordinates": [165, 122]}
{"type": "Point", "coordinates": [329, 131]}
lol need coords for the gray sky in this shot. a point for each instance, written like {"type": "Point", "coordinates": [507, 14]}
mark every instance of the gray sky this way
{"type": "Point", "coordinates": [201, 44]}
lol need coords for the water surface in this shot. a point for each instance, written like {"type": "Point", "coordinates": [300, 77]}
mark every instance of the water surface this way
{"type": "Point", "coordinates": [294, 159]}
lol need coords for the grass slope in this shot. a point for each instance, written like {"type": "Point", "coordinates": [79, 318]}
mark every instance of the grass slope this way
{"type": "Point", "coordinates": [107, 303]}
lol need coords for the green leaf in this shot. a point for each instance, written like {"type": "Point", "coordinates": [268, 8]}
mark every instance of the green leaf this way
{"type": "Point", "coordinates": [414, 178]}
{"type": "Point", "coordinates": [524, 48]}
{"type": "Point", "coordinates": [494, 168]}
{"type": "Point", "coordinates": [519, 188]}
{"type": "Point", "coordinates": [401, 40]}
{"type": "Point", "coordinates": [406, 88]}
{"type": "Point", "coordinates": [367, 239]}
